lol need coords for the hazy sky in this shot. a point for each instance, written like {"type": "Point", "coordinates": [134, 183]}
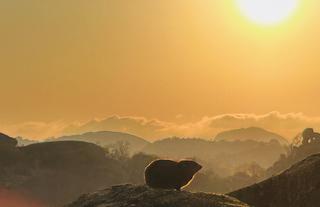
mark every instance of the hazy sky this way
{"type": "Point", "coordinates": [173, 60]}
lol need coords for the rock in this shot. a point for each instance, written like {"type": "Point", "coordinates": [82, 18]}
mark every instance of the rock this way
{"type": "Point", "coordinates": [143, 196]}
{"type": "Point", "coordinates": [299, 186]}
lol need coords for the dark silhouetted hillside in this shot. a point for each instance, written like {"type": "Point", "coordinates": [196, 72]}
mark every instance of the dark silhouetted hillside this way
{"type": "Point", "coordinates": [66, 155]}
{"type": "Point", "coordinates": [57, 172]}
{"type": "Point", "coordinates": [252, 133]}
{"type": "Point", "coordinates": [299, 186]}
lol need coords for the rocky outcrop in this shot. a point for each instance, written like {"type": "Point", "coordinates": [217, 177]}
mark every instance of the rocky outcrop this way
{"type": "Point", "coordinates": [295, 155]}
{"type": "Point", "coordinates": [143, 196]}
{"type": "Point", "coordinates": [299, 186]}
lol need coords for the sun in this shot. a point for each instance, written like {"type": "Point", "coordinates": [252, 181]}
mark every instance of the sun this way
{"type": "Point", "coordinates": [267, 12]}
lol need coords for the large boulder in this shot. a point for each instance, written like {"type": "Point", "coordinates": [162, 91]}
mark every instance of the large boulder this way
{"type": "Point", "coordinates": [143, 196]}
{"type": "Point", "coordinates": [299, 186]}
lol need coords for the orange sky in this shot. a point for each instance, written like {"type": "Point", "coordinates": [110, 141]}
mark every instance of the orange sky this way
{"type": "Point", "coordinates": [76, 60]}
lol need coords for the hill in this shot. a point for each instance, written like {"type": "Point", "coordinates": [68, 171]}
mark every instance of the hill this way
{"type": "Point", "coordinates": [252, 133]}
{"type": "Point", "coordinates": [56, 173]}
{"type": "Point", "coordinates": [299, 186]}
{"type": "Point", "coordinates": [39, 170]}
{"type": "Point", "coordinates": [105, 138]}
{"type": "Point", "coordinates": [67, 155]}
{"type": "Point", "coordinates": [142, 196]}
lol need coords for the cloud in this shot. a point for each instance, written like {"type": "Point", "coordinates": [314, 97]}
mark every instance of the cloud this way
{"type": "Point", "coordinates": [33, 130]}
{"type": "Point", "coordinates": [287, 125]}
{"type": "Point", "coordinates": [141, 126]}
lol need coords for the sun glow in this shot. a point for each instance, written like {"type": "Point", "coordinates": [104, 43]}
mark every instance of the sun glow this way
{"type": "Point", "coordinates": [267, 12]}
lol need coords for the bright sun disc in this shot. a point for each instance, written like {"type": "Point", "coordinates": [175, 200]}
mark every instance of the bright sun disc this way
{"type": "Point", "coordinates": [267, 12]}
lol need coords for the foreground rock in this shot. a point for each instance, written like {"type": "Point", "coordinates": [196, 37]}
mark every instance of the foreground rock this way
{"type": "Point", "coordinates": [298, 186]}
{"type": "Point", "coordinates": [143, 196]}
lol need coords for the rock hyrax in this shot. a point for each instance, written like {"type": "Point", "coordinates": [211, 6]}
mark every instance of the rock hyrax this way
{"type": "Point", "coordinates": [168, 174]}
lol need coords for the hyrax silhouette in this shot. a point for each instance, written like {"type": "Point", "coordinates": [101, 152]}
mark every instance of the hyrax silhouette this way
{"type": "Point", "coordinates": [168, 174]}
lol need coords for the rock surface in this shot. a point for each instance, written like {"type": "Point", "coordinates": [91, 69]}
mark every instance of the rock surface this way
{"type": "Point", "coordinates": [143, 196]}
{"type": "Point", "coordinates": [299, 186]}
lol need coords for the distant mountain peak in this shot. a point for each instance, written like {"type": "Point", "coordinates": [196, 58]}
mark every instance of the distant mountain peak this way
{"type": "Point", "coordinates": [250, 133]}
